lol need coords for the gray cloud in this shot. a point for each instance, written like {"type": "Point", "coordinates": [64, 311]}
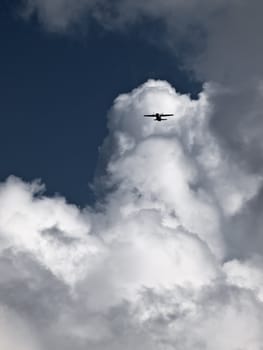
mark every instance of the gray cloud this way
{"type": "Point", "coordinates": [226, 34]}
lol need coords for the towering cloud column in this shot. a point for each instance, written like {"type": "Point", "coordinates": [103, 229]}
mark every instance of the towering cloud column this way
{"type": "Point", "coordinates": [150, 265]}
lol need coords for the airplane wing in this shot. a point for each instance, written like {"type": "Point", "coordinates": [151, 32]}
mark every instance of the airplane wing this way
{"type": "Point", "coordinates": [149, 115]}
{"type": "Point", "coordinates": [166, 115]}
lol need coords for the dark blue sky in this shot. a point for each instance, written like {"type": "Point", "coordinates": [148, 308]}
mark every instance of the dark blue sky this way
{"type": "Point", "coordinates": [55, 92]}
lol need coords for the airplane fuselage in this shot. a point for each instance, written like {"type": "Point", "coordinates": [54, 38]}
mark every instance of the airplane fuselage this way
{"type": "Point", "coordinates": [158, 117]}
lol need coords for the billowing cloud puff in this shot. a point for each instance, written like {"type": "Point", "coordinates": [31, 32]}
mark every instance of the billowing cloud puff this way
{"type": "Point", "coordinates": [150, 265]}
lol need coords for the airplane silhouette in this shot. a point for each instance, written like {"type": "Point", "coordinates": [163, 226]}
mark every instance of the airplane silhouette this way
{"type": "Point", "coordinates": [158, 116]}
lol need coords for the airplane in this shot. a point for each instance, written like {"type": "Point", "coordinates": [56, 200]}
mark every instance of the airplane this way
{"type": "Point", "coordinates": [158, 116]}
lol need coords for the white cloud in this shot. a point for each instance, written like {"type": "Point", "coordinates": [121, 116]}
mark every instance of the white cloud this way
{"type": "Point", "coordinates": [224, 318]}
{"type": "Point", "coordinates": [246, 274]}
{"type": "Point", "coordinates": [145, 268]}
{"type": "Point", "coordinates": [48, 228]}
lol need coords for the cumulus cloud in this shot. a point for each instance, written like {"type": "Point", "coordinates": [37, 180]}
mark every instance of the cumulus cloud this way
{"type": "Point", "coordinates": [150, 265]}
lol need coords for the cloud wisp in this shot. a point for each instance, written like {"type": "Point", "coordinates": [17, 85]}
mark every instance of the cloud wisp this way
{"type": "Point", "coordinates": [150, 266]}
